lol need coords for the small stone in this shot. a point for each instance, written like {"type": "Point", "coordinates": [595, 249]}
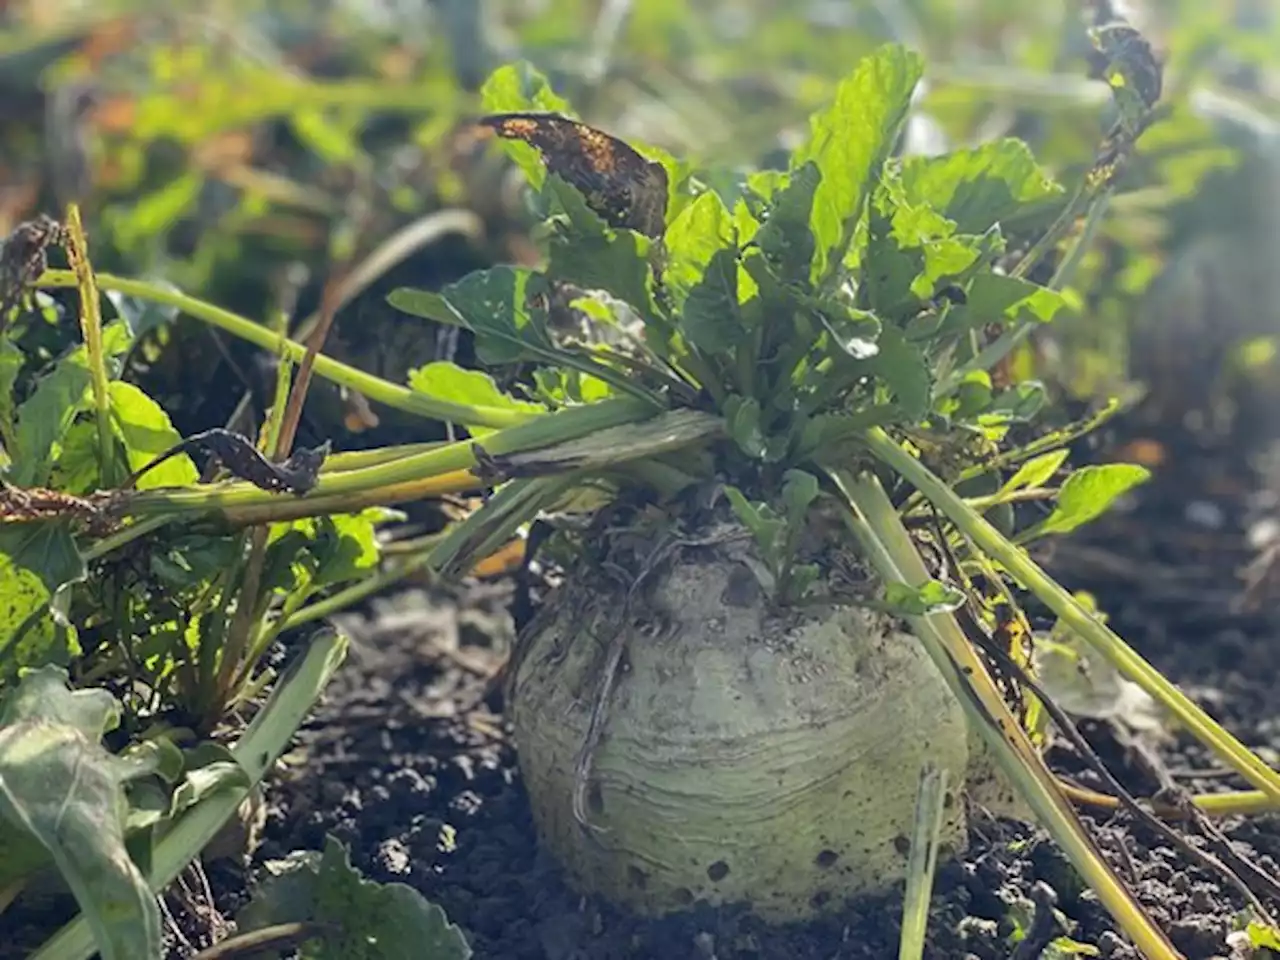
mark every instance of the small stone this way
{"type": "Point", "coordinates": [1110, 945]}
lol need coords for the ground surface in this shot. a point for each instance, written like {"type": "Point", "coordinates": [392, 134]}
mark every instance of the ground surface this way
{"type": "Point", "coordinates": [409, 764]}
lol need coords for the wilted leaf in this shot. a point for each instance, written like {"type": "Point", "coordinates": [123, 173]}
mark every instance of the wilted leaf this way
{"type": "Point", "coordinates": [521, 87]}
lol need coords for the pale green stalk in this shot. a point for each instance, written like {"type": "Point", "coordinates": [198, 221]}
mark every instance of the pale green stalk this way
{"type": "Point", "coordinates": [375, 388]}
{"type": "Point", "coordinates": [1118, 653]}
{"type": "Point", "coordinates": [91, 327]}
{"type": "Point", "coordinates": [546, 430]}
{"type": "Point", "coordinates": [888, 547]}
{"type": "Point", "coordinates": [921, 861]}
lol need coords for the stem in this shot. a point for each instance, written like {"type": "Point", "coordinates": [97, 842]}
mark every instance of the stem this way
{"type": "Point", "coordinates": [256, 752]}
{"type": "Point", "coordinates": [286, 410]}
{"type": "Point", "coordinates": [285, 509]}
{"type": "Point", "coordinates": [545, 430]}
{"type": "Point", "coordinates": [1075, 616]}
{"type": "Point", "coordinates": [120, 538]}
{"type": "Point", "coordinates": [91, 326]}
{"type": "Point", "coordinates": [1235, 803]}
{"type": "Point", "coordinates": [375, 388]}
{"type": "Point", "coordinates": [891, 551]}
{"type": "Point", "coordinates": [358, 591]}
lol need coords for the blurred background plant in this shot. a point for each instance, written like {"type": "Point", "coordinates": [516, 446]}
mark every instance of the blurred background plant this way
{"type": "Point", "coordinates": [240, 150]}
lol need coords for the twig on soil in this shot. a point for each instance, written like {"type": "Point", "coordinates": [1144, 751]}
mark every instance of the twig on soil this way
{"type": "Point", "coordinates": [277, 938]}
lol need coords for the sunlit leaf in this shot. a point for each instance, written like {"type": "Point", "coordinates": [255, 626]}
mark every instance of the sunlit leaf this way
{"type": "Point", "coordinates": [47, 414]}
{"type": "Point", "coordinates": [147, 432]}
{"type": "Point", "coordinates": [1036, 472]}
{"type": "Point", "coordinates": [1089, 492]}
{"type": "Point", "coordinates": [850, 141]}
{"type": "Point", "coordinates": [980, 187]}
{"type": "Point", "coordinates": [448, 381]}
{"type": "Point", "coordinates": [36, 560]}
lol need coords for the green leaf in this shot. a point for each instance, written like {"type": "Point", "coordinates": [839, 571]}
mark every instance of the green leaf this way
{"type": "Point", "coordinates": [377, 921]}
{"type": "Point", "coordinates": [448, 381]}
{"type": "Point", "coordinates": [711, 320]}
{"type": "Point", "coordinates": [501, 306]}
{"type": "Point", "coordinates": [192, 559]}
{"type": "Point", "coordinates": [902, 369]}
{"type": "Point", "coordinates": [1088, 493]}
{"type": "Point", "coordinates": [704, 227]}
{"type": "Point", "coordinates": [75, 469]}
{"type": "Point", "coordinates": [1021, 403]}
{"type": "Point", "coordinates": [785, 238]}
{"type": "Point", "coordinates": [348, 546]}
{"type": "Point", "coordinates": [143, 316]}
{"type": "Point", "coordinates": [11, 360]}
{"type": "Point", "coordinates": [613, 261]}
{"type": "Point", "coordinates": [36, 561]}
{"type": "Point", "coordinates": [849, 143]}
{"type": "Point", "coordinates": [1261, 935]}
{"type": "Point", "coordinates": [318, 551]}
{"type": "Point", "coordinates": [978, 188]}
{"type": "Point", "coordinates": [47, 414]}
{"type": "Point", "coordinates": [799, 490]}
{"type": "Point", "coordinates": [742, 416]}
{"type": "Point", "coordinates": [425, 304]}
{"type": "Point", "coordinates": [993, 297]}
{"type": "Point", "coordinates": [1036, 472]}
{"type": "Point", "coordinates": [927, 599]}
{"type": "Point", "coordinates": [60, 785]}
{"type": "Point", "coordinates": [147, 432]}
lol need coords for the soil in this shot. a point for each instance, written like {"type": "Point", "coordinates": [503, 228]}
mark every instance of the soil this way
{"type": "Point", "coordinates": [407, 762]}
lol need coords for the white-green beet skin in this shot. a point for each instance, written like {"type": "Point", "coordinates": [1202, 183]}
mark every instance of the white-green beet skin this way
{"type": "Point", "coordinates": [746, 756]}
